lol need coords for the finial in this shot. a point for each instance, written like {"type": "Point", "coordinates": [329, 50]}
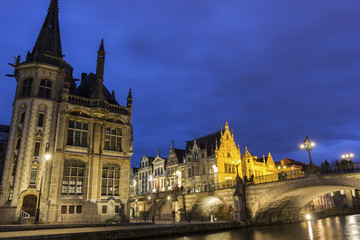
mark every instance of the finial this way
{"type": "Point", "coordinates": [159, 152]}
{"type": "Point", "coordinates": [195, 136]}
{"type": "Point", "coordinates": [172, 143]}
{"type": "Point", "coordinates": [130, 94]}
{"type": "Point", "coordinates": [102, 48]}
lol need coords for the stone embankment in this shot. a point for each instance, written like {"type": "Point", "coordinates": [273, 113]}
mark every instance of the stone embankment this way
{"type": "Point", "coordinates": [115, 231]}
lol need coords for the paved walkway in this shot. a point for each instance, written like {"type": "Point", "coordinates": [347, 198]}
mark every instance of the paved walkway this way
{"type": "Point", "coordinates": [63, 230]}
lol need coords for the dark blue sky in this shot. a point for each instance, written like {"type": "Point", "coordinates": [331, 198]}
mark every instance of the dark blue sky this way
{"type": "Point", "coordinates": [277, 70]}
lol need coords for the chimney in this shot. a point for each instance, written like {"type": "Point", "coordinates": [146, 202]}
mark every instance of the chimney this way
{"type": "Point", "coordinates": [83, 76]}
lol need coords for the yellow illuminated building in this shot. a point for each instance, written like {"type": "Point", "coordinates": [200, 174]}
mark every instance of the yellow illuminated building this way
{"type": "Point", "coordinates": [228, 156]}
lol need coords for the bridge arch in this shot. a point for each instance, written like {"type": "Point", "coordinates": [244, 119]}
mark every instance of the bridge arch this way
{"type": "Point", "coordinates": [205, 204]}
{"type": "Point", "coordinates": [283, 201]}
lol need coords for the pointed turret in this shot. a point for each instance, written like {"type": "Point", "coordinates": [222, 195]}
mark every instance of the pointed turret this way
{"type": "Point", "coordinates": [129, 99]}
{"type": "Point", "coordinates": [100, 61]}
{"type": "Point", "coordinates": [98, 93]}
{"type": "Point", "coordinates": [48, 41]}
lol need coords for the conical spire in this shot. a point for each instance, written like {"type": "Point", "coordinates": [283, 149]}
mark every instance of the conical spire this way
{"type": "Point", "coordinates": [48, 41]}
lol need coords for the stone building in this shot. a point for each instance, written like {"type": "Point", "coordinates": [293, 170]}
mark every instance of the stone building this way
{"type": "Point", "coordinates": [157, 179]}
{"type": "Point", "coordinates": [174, 173]}
{"type": "Point", "coordinates": [84, 132]}
{"type": "Point", "coordinates": [144, 172]}
{"type": "Point", "coordinates": [4, 135]}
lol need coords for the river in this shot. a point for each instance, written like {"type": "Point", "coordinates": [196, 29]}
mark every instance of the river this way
{"type": "Point", "coordinates": [340, 227]}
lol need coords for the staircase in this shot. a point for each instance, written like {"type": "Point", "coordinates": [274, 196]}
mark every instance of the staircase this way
{"type": "Point", "coordinates": [155, 208]}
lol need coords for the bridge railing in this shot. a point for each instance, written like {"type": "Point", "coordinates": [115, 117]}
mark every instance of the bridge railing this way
{"type": "Point", "coordinates": [281, 176]}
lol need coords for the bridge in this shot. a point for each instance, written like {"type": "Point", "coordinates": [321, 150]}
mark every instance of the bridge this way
{"type": "Point", "coordinates": [261, 201]}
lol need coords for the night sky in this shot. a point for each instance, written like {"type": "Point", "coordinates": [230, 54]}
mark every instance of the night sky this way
{"type": "Point", "coordinates": [277, 70]}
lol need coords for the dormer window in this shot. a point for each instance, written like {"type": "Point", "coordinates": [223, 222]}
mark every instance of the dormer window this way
{"type": "Point", "coordinates": [45, 89]}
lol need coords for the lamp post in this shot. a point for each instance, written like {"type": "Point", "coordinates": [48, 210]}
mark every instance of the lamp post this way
{"type": "Point", "coordinates": [238, 179]}
{"type": "Point", "coordinates": [308, 146]}
{"type": "Point", "coordinates": [347, 156]}
{"type": "Point", "coordinates": [45, 158]}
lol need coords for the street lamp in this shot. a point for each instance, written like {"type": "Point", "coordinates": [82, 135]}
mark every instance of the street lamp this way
{"type": "Point", "coordinates": [347, 156]}
{"type": "Point", "coordinates": [47, 157]}
{"type": "Point", "coordinates": [238, 179]}
{"type": "Point", "coordinates": [308, 146]}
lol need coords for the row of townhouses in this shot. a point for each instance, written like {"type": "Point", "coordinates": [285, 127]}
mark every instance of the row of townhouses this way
{"type": "Point", "coordinates": [206, 162]}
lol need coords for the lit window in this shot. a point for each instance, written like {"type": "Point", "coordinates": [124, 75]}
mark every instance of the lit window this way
{"type": "Point", "coordinates": [73, 178]}
{"type": "Point", "coordinates": [33, 176]}
{"type": "Point", "coordinates": [110, 179]}
{"type": "Point", "coordinates": [45, 89]}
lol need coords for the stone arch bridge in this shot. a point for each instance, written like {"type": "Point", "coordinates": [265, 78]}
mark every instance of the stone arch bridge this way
{"type": "Point", "coordinates": [272, 202]}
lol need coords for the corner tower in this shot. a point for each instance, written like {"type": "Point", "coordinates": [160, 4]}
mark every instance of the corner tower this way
{"type": "Point", "coordinates": [84, 130]}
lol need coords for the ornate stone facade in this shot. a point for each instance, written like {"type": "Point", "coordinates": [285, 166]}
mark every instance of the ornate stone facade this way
{"type": "Point", "coordinates": [83, 128]}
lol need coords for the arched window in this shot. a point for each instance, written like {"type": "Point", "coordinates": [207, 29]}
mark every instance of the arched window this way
{"type": "Point", "coordinates": [73, 178]}
{"type": "Point", "coordinates": [26, 90]}
{"type": "Point", "coordinates": [45, 89]}
{"type": "Point", "coordinates": [110, 179]}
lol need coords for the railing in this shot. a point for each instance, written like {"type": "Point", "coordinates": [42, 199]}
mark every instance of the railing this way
{"type": "Point", "coordinates": [73, 99]}
{"type": "Point", "coordinates": [24, 216]}
{"type": "Point", "coordinates": [281, 176]}
{"type": "Point", "coordinates": [336, 169]}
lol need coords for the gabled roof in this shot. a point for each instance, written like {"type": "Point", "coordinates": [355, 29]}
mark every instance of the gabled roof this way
{"type": "Point", "coordinates": [88, 85]}
{"type": "Point", "coordinates": [207, 142]}
{"type": "Point", "coordinates": [180, 154]}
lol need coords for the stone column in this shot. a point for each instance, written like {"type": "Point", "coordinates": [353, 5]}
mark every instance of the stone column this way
{"type": "Point", "coordinates": [349, 198]}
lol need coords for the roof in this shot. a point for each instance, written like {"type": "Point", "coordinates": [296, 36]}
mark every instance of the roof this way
{"type": "Point", "coordinates": [87, 86]}
{"type": "Point", "coordinates": [180, 154]}
{"type": "Point", "coordinates": [4, 133]}
{"type": "Point", "coordinates": [207, 142]}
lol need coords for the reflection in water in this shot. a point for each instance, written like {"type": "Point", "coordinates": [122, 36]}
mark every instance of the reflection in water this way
{"type": "Point", "coordinates": [342, 228]}
{"type": "Point", "coordinates": [311, 236]}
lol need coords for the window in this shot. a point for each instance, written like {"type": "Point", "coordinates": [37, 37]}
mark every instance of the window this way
{"type": "Point", "coordinates": [113, 139]}
{"type": "Point", "coordinates": [73, 178]}
{"type": "Point", "coordinates": [41, 120]}
{"type": "Point", "coordinates": [77, 133]}
{"type": "Point", "coordinates": [26, 90]}
{"type": "Point", "coordinates": [117, 209]}
{"type": "Point", "coordinates": [71, 209]}
{"type": "Point", "coordinates": [226, 167]}
{"type": "Point", "coordinates": [228, 154]}
{"type": "Point", "coordinates": [11, 192]}
{"type": "Point", "coordinates": [37, 149]}
{"type": "Point", "coordinates": [104, 209]}
{"type": "Point", "coordinates": [63, 209]}
{"type": "Point", "coordinates": [22, 117]}
{"type": "Point", "coordinates": [110, 179]}
{"type": "Point", "coordinates": [78, 209]}
{"type": "Point", "coordinates": [203, 169]}
{"type": "Point", "coordinates": [45, 89]}
{"type": "Point", "coordinates": [33, 177]}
